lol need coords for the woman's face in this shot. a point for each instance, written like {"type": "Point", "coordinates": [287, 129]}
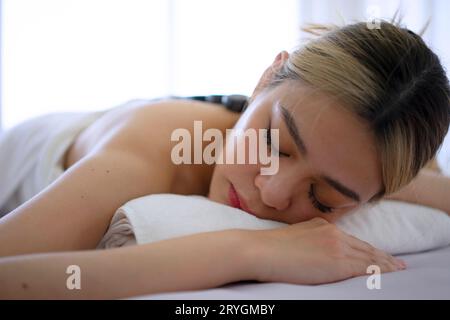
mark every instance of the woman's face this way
{"type": "Point", "coordinates": [328, 163]}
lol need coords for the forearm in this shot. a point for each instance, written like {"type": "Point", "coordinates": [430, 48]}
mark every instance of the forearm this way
{"type": "Point", "coordinates": [429, 188]}
{"type": "Point", "coordinates": [194, 262]}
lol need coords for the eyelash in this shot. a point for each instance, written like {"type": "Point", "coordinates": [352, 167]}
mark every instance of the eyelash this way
{"type": "Point", "coordinates": [269, 142]}
{"type": "Point", "coordinates": [321, 207]}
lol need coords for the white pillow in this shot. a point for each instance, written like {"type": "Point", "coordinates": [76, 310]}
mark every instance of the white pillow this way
{"type": "Point", "coordinates": [394, 227]}
{"type": "Point", "coordinates": [398, 227]}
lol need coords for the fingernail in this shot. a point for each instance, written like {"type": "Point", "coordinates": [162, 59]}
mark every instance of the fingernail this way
{"type": "Point", "coordinates": [401, 263]}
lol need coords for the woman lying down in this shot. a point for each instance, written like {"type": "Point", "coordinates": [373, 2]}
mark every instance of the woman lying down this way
{"type": "Point", "coordinates": [359, 114]}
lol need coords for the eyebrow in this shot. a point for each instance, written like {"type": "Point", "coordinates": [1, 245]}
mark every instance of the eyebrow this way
{"type": "Point", "coordinates": [295, 134]}
{"type": "Point", "coordinates": [341, 188]}
{"type": "Point", "coordinates": [293, 130]}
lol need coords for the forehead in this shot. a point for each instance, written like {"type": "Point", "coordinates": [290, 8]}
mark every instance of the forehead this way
{"type": "Point", "coordinates": [339, 144]}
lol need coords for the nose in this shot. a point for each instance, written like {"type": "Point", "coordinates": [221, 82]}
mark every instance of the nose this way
{"type": "Point", "coordinates": [274, 193]}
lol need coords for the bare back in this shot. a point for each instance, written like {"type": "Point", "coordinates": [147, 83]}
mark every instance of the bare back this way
{"type": "Point", "coordinates": [155, 122]}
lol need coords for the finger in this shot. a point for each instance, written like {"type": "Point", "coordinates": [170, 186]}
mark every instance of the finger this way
{"type": "Point", "coordinates": [360, 266]}
{"type": "Point", "coordinates": [369, 259]}
{"type": "Point", "coordinates": [367, 247]}
{"type": "Point", "coordinates": [308, 224]}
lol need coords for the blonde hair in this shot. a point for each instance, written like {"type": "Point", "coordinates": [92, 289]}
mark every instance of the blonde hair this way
{"type": "Point", "coordinates": [390, 79]}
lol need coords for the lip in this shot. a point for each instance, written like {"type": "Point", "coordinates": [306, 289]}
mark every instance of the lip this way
{"type": "Point", "coordinates": [236, 201]}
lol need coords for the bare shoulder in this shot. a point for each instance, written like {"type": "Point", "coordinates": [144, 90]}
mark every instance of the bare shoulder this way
{"type": "Point", "coordinates": [147, 129]}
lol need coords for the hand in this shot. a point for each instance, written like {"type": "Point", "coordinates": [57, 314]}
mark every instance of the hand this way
{"type": "Point", "coordinates": [316, 252]}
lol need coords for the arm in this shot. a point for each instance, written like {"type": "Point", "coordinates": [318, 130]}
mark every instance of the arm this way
{"type": "Point", "coordinates": [312, 252]}
{"type": "Point", "coordinates": [187, 263]}
{"type": "Point", "coordinates": [429, 188]}
{"type": "Point", "coordinates": [74, 212]}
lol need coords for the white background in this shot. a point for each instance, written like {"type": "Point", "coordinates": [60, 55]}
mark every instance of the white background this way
{"type": "Point", "coordinates": [61, 55]}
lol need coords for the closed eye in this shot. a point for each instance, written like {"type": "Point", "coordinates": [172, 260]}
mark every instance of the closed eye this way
{"type": "Point", "coordinates": [316, 203]}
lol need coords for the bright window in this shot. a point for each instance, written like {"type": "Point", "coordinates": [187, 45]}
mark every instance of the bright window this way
{"type": "Point", "coordinates": [61, 55]}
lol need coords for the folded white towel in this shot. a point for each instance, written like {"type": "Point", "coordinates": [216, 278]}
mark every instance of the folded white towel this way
{"type": "Point", "coordinates": [392, 226]}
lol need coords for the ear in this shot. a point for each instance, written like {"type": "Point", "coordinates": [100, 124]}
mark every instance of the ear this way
{"type": "Point", "coordinates": [268, 75]}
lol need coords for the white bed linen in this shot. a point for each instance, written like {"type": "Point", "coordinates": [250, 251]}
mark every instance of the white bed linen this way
{"type": "Point", "coordinates": [427, 277]}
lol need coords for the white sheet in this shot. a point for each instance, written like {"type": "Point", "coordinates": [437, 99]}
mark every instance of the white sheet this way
{"type": "Point", "coordinates": [427, 277]}
{"type": "Point", "coordinates": [31, 154]}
